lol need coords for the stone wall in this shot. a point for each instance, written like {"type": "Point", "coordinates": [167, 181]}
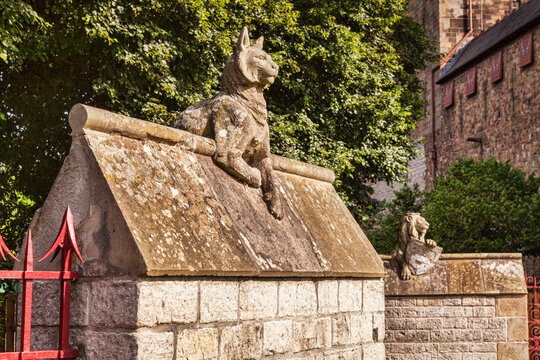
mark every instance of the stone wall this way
{"type": "Point", "coordinates": [531, 264]}
{"type": "Point", "coordinates": [446, 22]}
{"type": "Point", "coordinates": [456, 327]}
{"type": "Point", "coordinates": [469, 307]}
{"type": "Point", "coordinates": [222, 319]}
{"type": "Point", "coordinates": [504, 114]}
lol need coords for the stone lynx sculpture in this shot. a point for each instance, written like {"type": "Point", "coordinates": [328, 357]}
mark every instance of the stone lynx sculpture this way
{"type": "Point", "coordinates": [415, 254]}
{"type": "Point", "coordinates": [236, 119]}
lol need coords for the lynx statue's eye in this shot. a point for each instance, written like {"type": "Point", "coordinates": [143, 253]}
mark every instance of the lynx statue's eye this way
{"type": "Point", "coordinates": [261, 57]}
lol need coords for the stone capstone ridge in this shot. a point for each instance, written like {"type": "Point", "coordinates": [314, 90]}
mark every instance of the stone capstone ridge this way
{"type": "Point", "coordinates": [83, 119]}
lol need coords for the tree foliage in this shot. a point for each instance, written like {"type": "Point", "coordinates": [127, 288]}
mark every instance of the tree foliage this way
{"type": "Point", "coordinates": [484, 206]}
{"type": "Point", "coordinates": [346, 96]}
{"type": "Point", "coordinates": [384, 232]}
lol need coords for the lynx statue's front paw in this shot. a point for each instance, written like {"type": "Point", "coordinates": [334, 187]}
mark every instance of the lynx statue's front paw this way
{"type": "Point", "coordinates": [405, 273]}
{"type": "Point", "coordinates": [431, 243]}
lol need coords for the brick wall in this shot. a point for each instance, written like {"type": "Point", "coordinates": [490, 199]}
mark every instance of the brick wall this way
{"type": "Point", "coordinates": [220, 319]}
{"type": "Point", "coordinates": [456, 327]}
{"type": "Point", "coordinates": [506, 115]}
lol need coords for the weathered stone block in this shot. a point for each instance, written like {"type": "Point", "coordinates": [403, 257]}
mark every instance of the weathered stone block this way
{"type": "Point", "coordinates": [297, 298]}
{"type": "Point", "coordinates": [219, 301]}
{"type": "Point", "coordinates": [42, 337]}
{"type": "Point", "coordinates": [80, 298]}
{"type": "Point", "coordinates": [312, 334]}
{"type": "Point", "coordinates": [327, 292]}
{"type": "Point", "coordinates": [362, 328]}
{"type": "Point", "coordinates": [373, 351]}
{"type": "Point", "coordinates": [277, 337]}
{"type": "Point", "coordinates": [154, 346]}
{"type": "Point", "coordinates": [241, 342]}
{"type": "Point", "coordinates": [114, 303]}
{"type": "Point", "coordinates": [518, 329]}
{"type": "Point", "coordinates": [347, 354]}
{"type": "Point", "coordinates": [197, 344]}
{"type": "Point", "coordinates": [258, 299]}
{"type": "Point", "coordinates": [511, 306]}
{"type": "Point", "coordinates": [341, 330]}
{"type": "Point", "coordinates": [373, 299]}
{"type": "Point", "coordinates": [378, 327]}
{"type": "Point", "coordinates": [483, 311]}
{"type": "Point", "coordinates": [46, 297]}
{"type": "Point", "coordinates": [350, 295]}
{"type": "Point", "coordinates": [164, 302]}
{"type": "Point", "coordinates": [512, 351]}
{"type": "Point", "coordinates": [94, 345]}
{"type": "Point", "coordinates": [478, 301]}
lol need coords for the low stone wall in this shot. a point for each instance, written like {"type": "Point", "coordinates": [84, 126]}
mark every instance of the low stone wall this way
{"type": "Point", "coordinates": [456, 327]}
{"type": "Point", "coordinates": [470, 307]}
{"type": "Point", "coordinates": [221, 319]}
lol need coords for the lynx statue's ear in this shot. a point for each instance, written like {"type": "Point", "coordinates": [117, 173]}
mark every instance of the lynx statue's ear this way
{"type": "Point", "coordinates": [243, 40]}
{"type": "Point", "coordinates": [259, 43]}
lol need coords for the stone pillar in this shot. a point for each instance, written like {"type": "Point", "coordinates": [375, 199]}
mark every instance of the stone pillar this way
{"type": "Point", "coordinates": [182, 261]}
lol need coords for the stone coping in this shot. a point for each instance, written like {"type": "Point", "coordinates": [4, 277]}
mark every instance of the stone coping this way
{"type": "Point", "coordinates": [84, 117]}
{"type": "Point", "coordinates": [465, 256]}
{"type": "Point", "coordinates": [461, 274]}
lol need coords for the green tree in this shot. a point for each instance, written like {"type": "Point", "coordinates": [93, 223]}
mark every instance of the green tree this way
{"type": "Point", "coordinates": [346, 97]}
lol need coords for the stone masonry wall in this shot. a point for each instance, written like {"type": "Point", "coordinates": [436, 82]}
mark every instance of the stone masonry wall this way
{"type": "Point", "coordinates": [202, 319]}
{"type": "Point", "coordinates": [504, 114]}
{"type": "Point", "coordinates": [456, 328]}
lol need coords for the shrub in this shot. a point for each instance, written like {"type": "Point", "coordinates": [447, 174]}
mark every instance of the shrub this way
{"type": "Point", "coordinates": [484, 206]}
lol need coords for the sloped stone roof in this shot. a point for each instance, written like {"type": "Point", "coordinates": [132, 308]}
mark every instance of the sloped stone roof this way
{"type": "Point", "coordinates": [148, 200]}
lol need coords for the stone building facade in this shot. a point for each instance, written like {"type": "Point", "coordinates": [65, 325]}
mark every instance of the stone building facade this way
{"type": "Point", "coordinates": [501, 117]}
{"type": "Point", "coordinates": [447, 22]}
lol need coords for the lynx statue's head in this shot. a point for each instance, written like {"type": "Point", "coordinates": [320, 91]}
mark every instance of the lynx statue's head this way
{"type": "Point", "coordinates": [248, 66]}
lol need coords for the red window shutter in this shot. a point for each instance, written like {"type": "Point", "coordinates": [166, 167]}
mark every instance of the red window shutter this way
{"type": "Point", "coordinates": [471, 82]}
{"type": "Point", "coordinates": [449, 94]}
{"type": "Point", "coordinates": [496, 67]}
{"type": "Point", "coordinates": [526, 50]}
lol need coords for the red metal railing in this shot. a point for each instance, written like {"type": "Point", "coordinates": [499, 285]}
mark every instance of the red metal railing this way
{"type": "Point", "coordinates": [66, 243]}
{"type": "Point", "coordinates": [533, 286]}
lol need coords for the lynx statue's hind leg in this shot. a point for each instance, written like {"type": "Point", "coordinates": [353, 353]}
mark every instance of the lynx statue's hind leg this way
{"type": "Point", "coordinates": [270, 188]}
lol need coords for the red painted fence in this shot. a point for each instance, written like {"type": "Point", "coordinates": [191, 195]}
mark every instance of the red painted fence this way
{"type": "Point", "coordinates": [66, 243]}
{"type": "Point", "coordinates": [533, 285]}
